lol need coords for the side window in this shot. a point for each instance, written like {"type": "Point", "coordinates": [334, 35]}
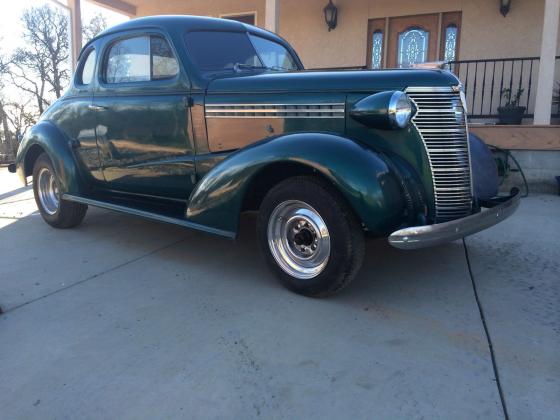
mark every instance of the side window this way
{"type": "Point", "coordinates": [129, 61]}
{"type": "Point", "coordinates": [85, 75]}
{"type": "Point", "coordinates": [164, 64]}
{"type": "Point", "coordinates": [140, 59]}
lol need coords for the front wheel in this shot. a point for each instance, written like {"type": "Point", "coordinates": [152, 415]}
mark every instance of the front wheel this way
{"type": "Point", "coordinates": [310, 236]}
{"type": "Point", "coordinates": [55, 211]}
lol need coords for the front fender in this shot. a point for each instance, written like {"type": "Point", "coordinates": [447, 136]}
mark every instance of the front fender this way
{"type": "Point", "coordinates": [361, 175]}
{"type": "Point", "coordinates": [46, 136]}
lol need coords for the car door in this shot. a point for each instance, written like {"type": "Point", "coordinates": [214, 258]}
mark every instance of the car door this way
{"type": "Point", "coordinates": [73, 114]}
{"type": "Point", "coordinates": [142, 118]}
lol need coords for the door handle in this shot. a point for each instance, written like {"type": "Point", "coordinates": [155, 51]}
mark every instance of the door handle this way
{"type": "Point", "coordinates": [97, 107]}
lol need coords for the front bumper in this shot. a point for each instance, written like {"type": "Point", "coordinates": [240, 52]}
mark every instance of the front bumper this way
{"type": "Point", "coordinates": [498, 209]}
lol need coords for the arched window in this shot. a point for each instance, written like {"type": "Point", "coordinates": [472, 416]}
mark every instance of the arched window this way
{"type": "Point", "coordinates": [377, 50]}
{"type": "Point", "coordinates": [413, 47]}
{"type": "Point", "coordinates": [450, 47]}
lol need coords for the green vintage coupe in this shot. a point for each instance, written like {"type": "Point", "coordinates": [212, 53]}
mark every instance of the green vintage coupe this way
{"type": "Point", "coordinates": [192, 120]}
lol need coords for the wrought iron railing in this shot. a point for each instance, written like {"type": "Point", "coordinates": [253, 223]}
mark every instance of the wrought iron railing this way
{"type": "Point", "coordinates": [485, 81]}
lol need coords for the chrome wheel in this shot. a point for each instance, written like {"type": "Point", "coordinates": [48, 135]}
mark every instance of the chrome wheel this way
{"type": "Point", "coordinates": [298, 239]}
{"type": "Point", "coordinates": [47, 189]}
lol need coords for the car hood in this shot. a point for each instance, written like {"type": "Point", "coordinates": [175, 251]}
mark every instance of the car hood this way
{"type": "Point", "coordinates": [341, 81]}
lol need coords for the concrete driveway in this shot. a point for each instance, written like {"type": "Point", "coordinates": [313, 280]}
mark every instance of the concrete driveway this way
{"type": "Point", "coordinates": [123, 318]}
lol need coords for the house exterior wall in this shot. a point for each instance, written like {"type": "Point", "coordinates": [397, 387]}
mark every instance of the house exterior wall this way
{"type": "Point", "coordinates": [485, 33]}
{"type": "Point", "coordinates": [214, 8]}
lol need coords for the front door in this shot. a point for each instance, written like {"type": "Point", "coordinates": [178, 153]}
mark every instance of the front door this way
{"type": "Point", "coordinates": [400, 42]}
{"type": "Point", "coordinates": [142, 119]}
{"type": "Point", "coordinates": [79, 119]}
{"type": "Point", "coordinates": [412, 40]}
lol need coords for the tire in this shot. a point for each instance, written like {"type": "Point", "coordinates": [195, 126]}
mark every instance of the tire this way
{"type": "Point", "coordinates": [56, 212]}
{"type": "Point", "coordinates": [310, 237]}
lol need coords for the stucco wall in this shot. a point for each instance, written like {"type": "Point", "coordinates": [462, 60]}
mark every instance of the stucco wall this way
{"type": "Point", "coordinates": [485, 33]}
{"type": "Point", "coordinates": [213, 8]}
{"type": "Point", "coordinates": [317, 47]}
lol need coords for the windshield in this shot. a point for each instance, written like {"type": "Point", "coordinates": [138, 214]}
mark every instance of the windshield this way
{"type": "Point", "coordinates": [215, 51]}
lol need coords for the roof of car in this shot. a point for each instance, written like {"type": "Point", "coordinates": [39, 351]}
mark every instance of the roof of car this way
{"type": "Point", "coordinates": [179, 24]}
{"type": "Point", "coordinates": [183, 22]}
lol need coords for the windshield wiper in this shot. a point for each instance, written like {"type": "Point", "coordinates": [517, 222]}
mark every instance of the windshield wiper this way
{"type": "Point", "coordinates": [237, 67]}
{"type": "Point", "coordinates": [278, 68]}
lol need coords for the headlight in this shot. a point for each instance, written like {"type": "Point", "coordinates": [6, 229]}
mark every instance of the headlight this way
{"type": "Point", "coordinates": [400, 109]}
{"type": "Point", "coordinates": [384, 110]}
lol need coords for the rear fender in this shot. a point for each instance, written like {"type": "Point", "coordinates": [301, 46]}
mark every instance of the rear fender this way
{"type": "Point", "coordinates": [46, 137]}
{"type": "Point", "coordinates": [361, 175]}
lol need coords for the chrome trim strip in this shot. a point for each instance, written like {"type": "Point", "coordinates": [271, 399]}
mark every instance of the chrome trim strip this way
{"type": "Point", "coordinates": [451, 170]}
{"type": "Point", "coordinates": [292, 104]}
{"type": "Point", "coordinates": [431, 235]}
{"type": "Point", "coordinates": [284, 110]}
{"type": "Point", "coordinates": [274, 116]}
{"type": "Point", "coordinates": [431, 89]}
{"type": "Point", "coordinates": [439, 130]}
{"type": "Point", "coordinates": [439, 110]}
{"type": "Point", "coordinates": [268, 110]}
{"type": "Point", "coordinates": [148, 215]}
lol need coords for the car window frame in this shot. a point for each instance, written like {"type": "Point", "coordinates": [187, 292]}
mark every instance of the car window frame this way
{"type": "Point", "coordinates": [181, 75]}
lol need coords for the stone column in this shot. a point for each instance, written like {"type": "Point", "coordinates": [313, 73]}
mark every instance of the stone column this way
{"type": "Point", "coordinates": [271, 15]}
{"type": "Point", "coordinates": [543, 104]}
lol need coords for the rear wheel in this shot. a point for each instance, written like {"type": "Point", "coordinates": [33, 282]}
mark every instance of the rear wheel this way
{"type": "Point", "coordinates": [46, 188]}
{"type": "Point", "coordinates": [310, 237]}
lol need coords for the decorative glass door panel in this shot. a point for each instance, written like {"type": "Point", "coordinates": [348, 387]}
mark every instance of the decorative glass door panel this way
{"type": "Point", "coordinates": [450, 36]}
{"type": "Point", "coordinates": [377, 50]}
{"type": "Point", "coordinates": [376, 44]}
{"type": "Point", "coordinates": [412, 40]}
{"type": "Point", "coordinates": [413, 47]}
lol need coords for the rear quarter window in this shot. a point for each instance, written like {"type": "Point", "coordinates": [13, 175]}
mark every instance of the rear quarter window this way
{"type": "Point", "coordinates": [87, 68]}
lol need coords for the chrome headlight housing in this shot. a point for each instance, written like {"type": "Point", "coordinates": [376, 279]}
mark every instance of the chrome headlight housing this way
{"type": "Point", "coordinates": [400, 109]}
{"type": "Point", "coordinates": [388, 110]}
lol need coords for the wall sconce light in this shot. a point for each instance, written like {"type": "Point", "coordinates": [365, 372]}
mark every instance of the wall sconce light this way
{"type": "Point", "coordinates": [331, 15]}
{"type": "Point", "coordinates": [504, 7]}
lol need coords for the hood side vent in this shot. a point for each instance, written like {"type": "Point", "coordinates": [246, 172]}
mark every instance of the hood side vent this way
{"type": "Point", "coordinates": [332, 110]}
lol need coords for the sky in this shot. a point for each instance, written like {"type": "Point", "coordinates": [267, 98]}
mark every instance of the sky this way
{"type": "Point", "coordinates": [10, 26]}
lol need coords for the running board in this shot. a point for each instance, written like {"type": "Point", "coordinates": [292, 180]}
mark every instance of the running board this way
{"type": "Point", "coordinates": [149, 215]}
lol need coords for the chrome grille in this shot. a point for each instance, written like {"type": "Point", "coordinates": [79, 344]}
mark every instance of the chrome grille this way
{"type": "Point", "coordinates": [442, 124]}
